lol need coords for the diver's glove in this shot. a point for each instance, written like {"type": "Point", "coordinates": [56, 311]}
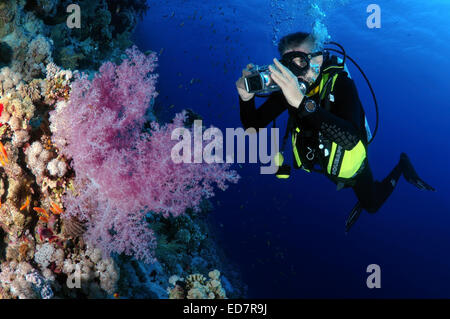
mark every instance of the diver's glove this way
{"type": "Point", "coordinates": [410, 174]}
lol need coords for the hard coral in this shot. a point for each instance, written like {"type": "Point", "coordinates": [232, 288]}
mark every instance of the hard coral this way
{"type": "Point", "coordinates": [37, 158]}
{"type": "Point", "coordinates": [196, 286]}
{"type": "Point", "coordinates": [57, 84]}
{"type": "Point", "coordinates": [21, 280]}
{"type": "Point", "coordinates": [57, 167]}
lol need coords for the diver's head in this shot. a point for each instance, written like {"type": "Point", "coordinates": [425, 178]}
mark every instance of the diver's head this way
{"type": "Point", "coordinates": [297, 52]}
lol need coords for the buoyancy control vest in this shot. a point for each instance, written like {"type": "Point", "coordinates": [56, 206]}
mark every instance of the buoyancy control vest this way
{"type": "Point", "coordinates": [311, 148]}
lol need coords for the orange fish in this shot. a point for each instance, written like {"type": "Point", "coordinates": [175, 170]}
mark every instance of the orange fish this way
{"type": "Point", "coordinates": [55, 208]}
{"type": "Point", "coordinates": [44, 219]}
{"type": "Point", "coordinates": [27, 203]}
{"type": "Point", "coordinates": [41, 211]}
{"type": "Point", "coordinates": [5, 155]}
{"type": "Point", "coordinates": [116, 295]}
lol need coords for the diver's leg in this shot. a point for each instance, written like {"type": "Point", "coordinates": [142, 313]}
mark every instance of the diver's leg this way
{"type": "Point", "coordinates": [372, 194]}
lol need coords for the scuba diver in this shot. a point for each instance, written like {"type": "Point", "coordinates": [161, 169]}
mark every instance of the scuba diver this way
{"type": "Point", "coordinates": [327, 123]}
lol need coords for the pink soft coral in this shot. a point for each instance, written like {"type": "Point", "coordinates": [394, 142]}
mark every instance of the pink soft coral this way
{"type": "Point", "coordinates": [121, 171]}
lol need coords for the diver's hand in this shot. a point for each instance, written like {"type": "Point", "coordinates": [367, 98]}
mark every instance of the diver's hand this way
{"type": "Point", "coordinates": [288, 83]}
{"type": "Point", "coordinates": [240, 84]}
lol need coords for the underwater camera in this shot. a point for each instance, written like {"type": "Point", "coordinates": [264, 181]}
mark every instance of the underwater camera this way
{"type": "Point", "coordinates": [259, 81]}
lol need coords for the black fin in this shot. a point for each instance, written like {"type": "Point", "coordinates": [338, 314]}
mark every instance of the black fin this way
{"type": "Point", "coordinates": [353, 217]}
{"type": "Point", "coordinates": [411, 175]}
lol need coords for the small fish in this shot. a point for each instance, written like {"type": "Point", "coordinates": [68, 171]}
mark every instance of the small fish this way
{"type": "Point", "coordinates": [116, 295]}
{"type": "Point", "coordinates": [5, 155]}
{"type": "Point", "coordinates": [41, 211]}
{"type": "Point", "coordinates": [44, 219]}
{"type": "Point", "coordinates": [27, 203]}
{"type": "Point", "coordinates": [161, 51]}
{"type": "Point", "coordinates": [55, 208]}
{"type": "Point", "coordinates": [172, 106]}
{"type": "Point", "coordinates": [181, 24]}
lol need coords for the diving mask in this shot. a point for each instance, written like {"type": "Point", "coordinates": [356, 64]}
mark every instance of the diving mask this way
{"type": "Point", "coordinates": [299, 62]}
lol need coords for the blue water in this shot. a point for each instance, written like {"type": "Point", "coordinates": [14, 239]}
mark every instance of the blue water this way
{"type": "Point", "coordinates": [287, 237]}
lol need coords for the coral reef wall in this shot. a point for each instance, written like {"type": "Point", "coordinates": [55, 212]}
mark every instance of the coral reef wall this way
{"type": "Point", "coordinates": [90, 204]}
{"type": "Point", "coordinates": [34, 33]}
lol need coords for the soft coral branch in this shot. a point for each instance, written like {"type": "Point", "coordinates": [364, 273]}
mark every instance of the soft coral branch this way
{"type": "Point", "coordinates": [121, 171]}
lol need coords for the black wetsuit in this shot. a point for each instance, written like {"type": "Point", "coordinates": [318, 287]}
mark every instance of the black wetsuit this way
{"type": "Point", "coordinates": [343, 123]}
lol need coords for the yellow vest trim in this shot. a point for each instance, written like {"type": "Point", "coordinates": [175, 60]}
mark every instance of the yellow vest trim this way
{"type": "Point", "coordinates": [330, 160]}
{"type": "Point", "coordinates": [314, 92]}
{"type": "Point", "coordinates": [279, 159]}
{"type": "Point", "coordinates": [322, 83]}
{"type": "Point", "coordinates": [333, 67]}
{"type": "Point", "coordinates": [294, 147]}
{"type": "Point", "coordinates": [334, 81]}
{"type": "Point", "coordinates": [352, 161]}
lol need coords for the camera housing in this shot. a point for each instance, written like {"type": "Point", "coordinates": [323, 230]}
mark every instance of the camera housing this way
{"type": "Point", "coordinates": [259, 81]}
